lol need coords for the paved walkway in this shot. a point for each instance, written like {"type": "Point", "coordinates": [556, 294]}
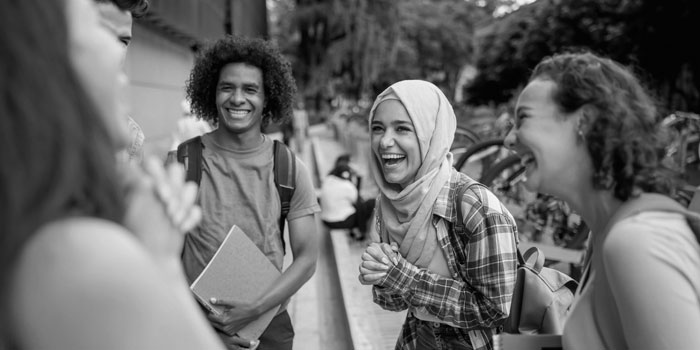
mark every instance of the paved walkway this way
{"type": "Point", "coordinates": [333, 310]}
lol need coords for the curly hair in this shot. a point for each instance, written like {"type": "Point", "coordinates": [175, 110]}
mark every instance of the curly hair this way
{"type": "Point", "coordinates": [278, 82]}
{"type": "Point", "coordinates": [623, 140]}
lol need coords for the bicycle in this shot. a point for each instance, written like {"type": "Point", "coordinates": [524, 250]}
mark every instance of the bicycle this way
{"type": "Point", "coordinates": [542, 220]}
{"type": "Point", "coordinates": [463, 139]}
{"type": "Point", "coordinates": [479, 157]}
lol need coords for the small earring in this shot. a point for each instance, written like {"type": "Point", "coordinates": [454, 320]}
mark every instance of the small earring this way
{"type": "Point", "coordinates": [580, 133]}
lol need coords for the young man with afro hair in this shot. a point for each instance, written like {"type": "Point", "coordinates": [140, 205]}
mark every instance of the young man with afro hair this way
{"type": "Point", "coordinates": [240, 85]}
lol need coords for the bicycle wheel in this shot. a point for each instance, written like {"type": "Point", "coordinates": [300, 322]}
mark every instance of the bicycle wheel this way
{"type": "Point", "coordinates": [506, 172]}
{"type": "Point", "coordinates": [476, 159]}
{"type": "Point", "coordinates": [464, 138]}
{"type": "Point", "coordinates": [457, 153]}
{"type": "Point", "coordinates": [540, 218]}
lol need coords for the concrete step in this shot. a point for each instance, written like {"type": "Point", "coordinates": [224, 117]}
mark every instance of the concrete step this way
{"type": "Point", "coordinates": [370, 327]}
{"type": "Point", "coordinates": [333, 310]}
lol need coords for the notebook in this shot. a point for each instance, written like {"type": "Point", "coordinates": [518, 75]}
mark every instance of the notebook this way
{"type": "Point", "coordinates": [506, 341]}
{"type": "Point", "coordinates": [240, 271]}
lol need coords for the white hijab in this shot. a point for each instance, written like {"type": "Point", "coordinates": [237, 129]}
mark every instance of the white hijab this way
{"type": "Point", "coordinates": [406, 216]}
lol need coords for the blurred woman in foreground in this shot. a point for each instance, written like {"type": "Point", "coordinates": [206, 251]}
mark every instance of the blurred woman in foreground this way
{"type": "Point", "coordinates": [89, 253]}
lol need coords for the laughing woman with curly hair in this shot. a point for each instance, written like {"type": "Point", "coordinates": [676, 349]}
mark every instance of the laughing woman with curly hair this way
{"type": "Point", "coordinates": [587, 131]}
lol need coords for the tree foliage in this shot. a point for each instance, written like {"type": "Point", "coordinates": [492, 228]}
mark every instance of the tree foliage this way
{"type": "Point", "coordinates": [647, 35]}
{"type": "Point", "coordinates": [358, 47]}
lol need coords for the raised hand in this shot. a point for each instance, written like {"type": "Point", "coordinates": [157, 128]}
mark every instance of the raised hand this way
{"type": "Point", "coordinates": [160, 208]}
{"type": "Point", "coordinates": [376, 261]}
{"type": "Point", "coordinates": [178, 196]}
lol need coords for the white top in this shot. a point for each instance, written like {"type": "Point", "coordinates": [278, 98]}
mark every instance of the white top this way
{"type": "Point", "coordinates": [338, 197]}
{"type": "Point", "coordinates": [643, 290]}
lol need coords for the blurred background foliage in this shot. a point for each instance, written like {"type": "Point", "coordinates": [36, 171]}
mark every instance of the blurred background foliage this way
{"type": "Point", "coordinates": [480, 52]}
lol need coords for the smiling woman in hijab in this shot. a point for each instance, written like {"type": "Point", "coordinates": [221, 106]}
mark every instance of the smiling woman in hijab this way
{"type": "Point", "coordinates": [419, 263]}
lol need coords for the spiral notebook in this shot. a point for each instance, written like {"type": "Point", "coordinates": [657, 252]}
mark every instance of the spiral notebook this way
{"type": "Point", "coordinates": [239, 271]}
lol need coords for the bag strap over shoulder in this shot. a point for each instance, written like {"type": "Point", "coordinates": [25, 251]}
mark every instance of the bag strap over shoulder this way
{"type": "Point", "coordinates": [285, 178]}
{"type": "Point", "coordinates": [694, 205]}
{"type": "Point", "coordinates": [189, 153]}
{"type": "Point", "coordinates": [459, 224]}
{"type": "Point", "coordinates": [459, 193]}
{"type": "Point", "coordinates": [462, 188]}
{"type": "Point", "coordinates": [533, 257]}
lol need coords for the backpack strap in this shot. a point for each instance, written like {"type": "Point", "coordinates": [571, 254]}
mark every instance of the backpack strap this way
{"type": "Point", "coordinates": [694, 205]}
{"type": "Point", "coordinates": [459, 194]}
{"type": "Point", "coordinates": [459, 225]}
{"type": "Point", "coordinates": [189, 153]}
{"type": "Point", "coordinates": [285, 179]}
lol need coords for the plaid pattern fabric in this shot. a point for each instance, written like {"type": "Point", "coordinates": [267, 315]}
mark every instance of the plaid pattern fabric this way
{"type": "Point", "coordinates": [477, 297]}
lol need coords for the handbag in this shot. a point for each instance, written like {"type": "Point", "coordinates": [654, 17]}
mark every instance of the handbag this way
{"type": "Point", "coordinates": [541, 296]}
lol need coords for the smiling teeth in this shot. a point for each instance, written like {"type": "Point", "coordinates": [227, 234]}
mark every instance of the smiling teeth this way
{"type": "Point", "coordinates": [237, 112]}
{"type": "Point", "coordinates": [392, 156]}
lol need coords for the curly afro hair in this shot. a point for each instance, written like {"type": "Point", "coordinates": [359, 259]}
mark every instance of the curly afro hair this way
{"type": "Point", "coordinates": [624, 140]}
{"type": "Point", "coordinates": [278, 82]}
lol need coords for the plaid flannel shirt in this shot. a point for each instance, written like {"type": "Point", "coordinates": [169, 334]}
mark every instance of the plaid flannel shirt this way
{"type": "Point", "coordinates": [477, 298]}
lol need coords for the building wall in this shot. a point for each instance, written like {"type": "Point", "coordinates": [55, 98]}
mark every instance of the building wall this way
{"type": "Point", "coordinates": [249, 17]}
{"type": "Point", "coordinates": [157, 68]}
{"type": "Point", "coordinates": [161, 55]}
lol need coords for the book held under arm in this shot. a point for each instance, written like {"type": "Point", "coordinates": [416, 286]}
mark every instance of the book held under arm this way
{"type": "Point", "coordinates": [238, 271]}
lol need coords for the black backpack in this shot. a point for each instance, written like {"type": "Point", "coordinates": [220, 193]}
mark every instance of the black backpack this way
{"type": "Point", "coordinates": [189, 153]}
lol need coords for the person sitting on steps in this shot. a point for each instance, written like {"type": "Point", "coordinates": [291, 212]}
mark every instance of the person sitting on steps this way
{"type": "Point", "coordinates": [341, 204]}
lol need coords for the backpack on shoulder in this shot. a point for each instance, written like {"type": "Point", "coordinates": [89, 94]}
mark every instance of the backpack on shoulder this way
{"type": "Point", "coordinates": [189, 153]}
{"type": "Point", "coordinates": [541, 296]}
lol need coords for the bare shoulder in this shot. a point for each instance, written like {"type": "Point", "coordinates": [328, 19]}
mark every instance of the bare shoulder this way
{"type": "Point", "coordinates": [70, 243]}
{"type": "Point", "coordinates": [76, 246]}
{"type": "Point", "coordinates": [71, 255]}
{"type": "Point", "coordinates": [81, 234]}
{"type": "Point", "coordinates": [80, 279]}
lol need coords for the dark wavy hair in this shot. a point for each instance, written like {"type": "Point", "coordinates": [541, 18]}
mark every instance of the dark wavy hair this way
{"type": "Point", "coordinates": [278, 82]}
{"type": "Point", "coordinates": [623, 137]}
{"type": "Point", "coordinates": [138, 8]}
{"type": "Point", "coordinates": [58, 160]}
